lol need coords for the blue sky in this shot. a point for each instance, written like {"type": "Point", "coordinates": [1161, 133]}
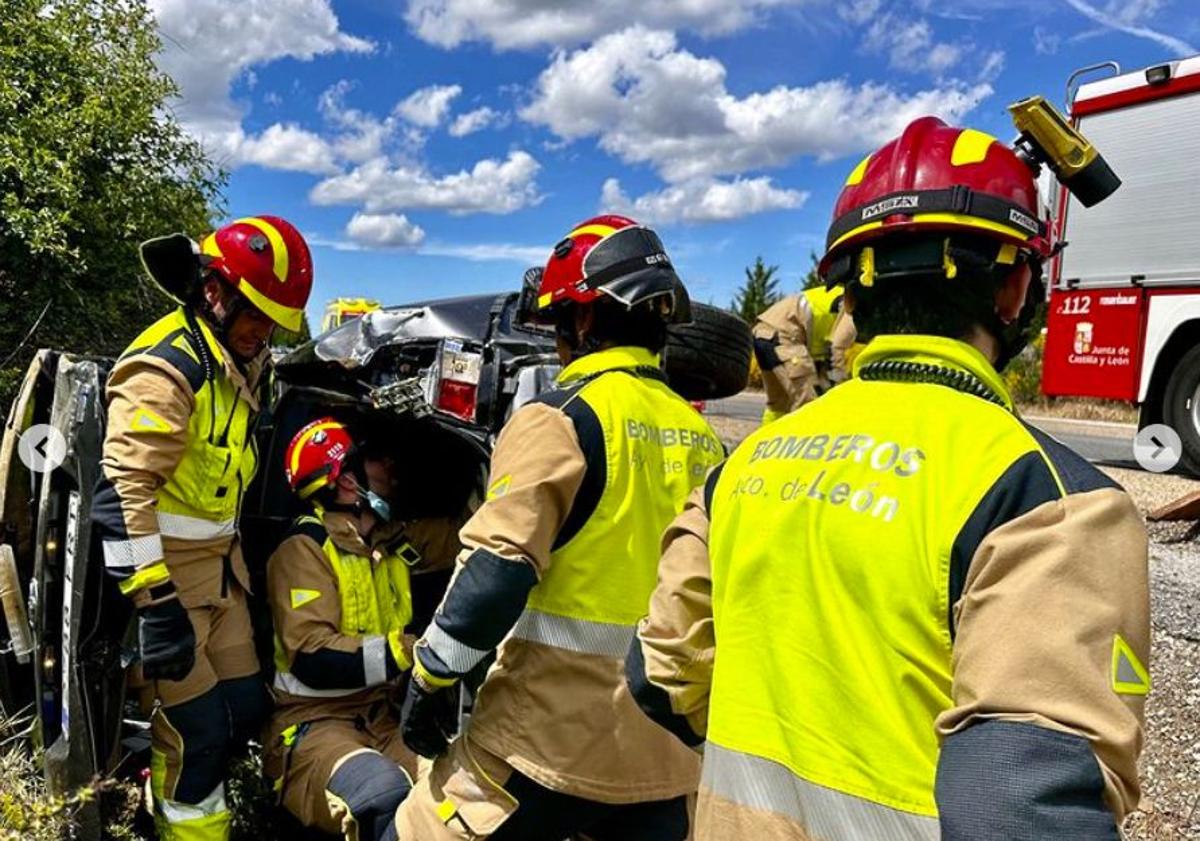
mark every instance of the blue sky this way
{"type": "Point", "coordinates": [438, 147]}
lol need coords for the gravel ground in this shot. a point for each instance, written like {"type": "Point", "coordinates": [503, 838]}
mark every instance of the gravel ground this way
{"type": "Point", "coordinates": [1170, 764]}
{"type": "Point", "coordinates": [1171, 760]}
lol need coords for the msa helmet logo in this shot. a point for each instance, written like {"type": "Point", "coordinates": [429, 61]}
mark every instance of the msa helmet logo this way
{"type": "Point", "coordinates": [655, 259]}
{"type": "Point", "coordinates": [890, 205]}
{"type": "Point", "coordinates": [1026, 222]}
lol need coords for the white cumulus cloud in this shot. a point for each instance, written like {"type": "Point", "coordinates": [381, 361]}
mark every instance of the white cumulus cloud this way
{"type": "Point", "coordinates": [517, 24]}
{"type": "Point", "coordinates": [473, 121]}
{"type": "Point", "coordinates": [648, 101]}
{"type": "Point", "coordinates": [491, 186]}
{"type": "Point", "coordinates": [208, 44]}
{"type": "Point", "coordinates": [427, 107]}
{"type": "Point", "coordinates": [701, 200]}
{"type": "Point", "coordinates": [910, 45]}
{"type": "Point", "coordinates": [286, 147]}
{"type": "Point", "coordinates": [384, 230]}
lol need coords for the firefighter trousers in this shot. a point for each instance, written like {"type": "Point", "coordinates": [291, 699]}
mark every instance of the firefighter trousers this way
{"type": "Point", "coordinates": [342, 776]}
{"type": "Point", "coordinates": [199, 723]}
{"type": "Point", "coordinates": [470, 794]}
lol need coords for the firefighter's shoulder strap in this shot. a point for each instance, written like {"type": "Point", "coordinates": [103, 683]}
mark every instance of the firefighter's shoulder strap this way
{"type": "Point", "coordinates": [310, 527]}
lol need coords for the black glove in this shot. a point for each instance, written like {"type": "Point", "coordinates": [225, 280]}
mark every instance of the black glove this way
{"type": "Point", "coordinates": [167, 641]}
{"type": "Point", "coordinates": [429, 718]}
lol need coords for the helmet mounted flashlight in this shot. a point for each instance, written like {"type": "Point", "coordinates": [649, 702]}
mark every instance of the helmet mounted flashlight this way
{"type": "Point", "coordinates": [1046, 138]}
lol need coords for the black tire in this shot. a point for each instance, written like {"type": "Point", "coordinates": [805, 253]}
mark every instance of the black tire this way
{"type": "Point", "coordinates": [1181, 407]}
{"type": "Point", "coordinates": [710, 357]}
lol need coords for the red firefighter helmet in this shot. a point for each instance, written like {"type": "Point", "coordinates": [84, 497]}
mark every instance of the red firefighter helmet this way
{"type": "Point", "coordinates": [614, 256]}
{"type": "Point", "coordinates": [935, 177]}
{"type": "Point", "coordinates": [267, 260]}
{"type": "Point", "coordinates": [317, 455]}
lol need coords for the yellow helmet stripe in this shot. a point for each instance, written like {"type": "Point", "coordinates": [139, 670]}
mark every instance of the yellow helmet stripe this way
{"type": "Point", "coordinates": [278, 249]}
{"type": "Point", "coordinates": [308, 436]}
{"type": "Point", "coordinates": [955, 219]}
{"type": "Point", "coordinates": [312, 487]}
{"type": "Point", "coordinates": [209, 246]}
{"type": "Point", "coordinates": [598, 230]}
{"type": "Point", "coordinates": [971, 147]}
{"type": "Point", "coordinates": [856, 175]}
{"type": "Point", "coordinates": [289, 318]}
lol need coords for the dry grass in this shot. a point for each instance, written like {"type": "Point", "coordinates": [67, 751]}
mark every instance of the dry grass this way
{"type": "Point", "coordinates": [27, 811]}
{"type": "Point", "coordinates": [1079, 408]}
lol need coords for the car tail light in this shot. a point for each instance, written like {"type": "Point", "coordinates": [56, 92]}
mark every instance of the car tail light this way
{"type": "Point", "coordinates": [457, 398]}
{"type": "Point", "coordinates": [457, 388]}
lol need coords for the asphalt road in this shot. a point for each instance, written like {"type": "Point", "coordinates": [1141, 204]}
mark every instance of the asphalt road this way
{"type": "Point", "coordinates": [1097, 441]}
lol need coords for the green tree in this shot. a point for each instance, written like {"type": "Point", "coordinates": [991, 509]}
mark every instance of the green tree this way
{"type": "Point", "coordinates": [760, 290]}
{"type": "Point", "coordinates": [812, 280]}
{"type": "Point", "coordinates": [91, 162]}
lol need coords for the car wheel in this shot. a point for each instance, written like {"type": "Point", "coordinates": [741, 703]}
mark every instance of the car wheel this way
{"type": "Point", "coordinates": [710, 357]}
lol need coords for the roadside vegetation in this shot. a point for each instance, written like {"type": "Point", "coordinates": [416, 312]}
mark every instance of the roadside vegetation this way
{"type": "Point", "coordinates": [91, 159]}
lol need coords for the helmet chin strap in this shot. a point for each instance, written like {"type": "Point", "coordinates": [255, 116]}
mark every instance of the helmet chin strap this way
{"type": "Point", "coordinates": [235, 305]}
{"type": "Point", "coordinates": [564, 329]}
{"type": "Point", "coordinates": [1014, 336]}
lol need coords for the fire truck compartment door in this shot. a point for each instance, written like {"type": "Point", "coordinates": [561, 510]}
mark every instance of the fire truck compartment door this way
{"type": "Point", "coordinates": [1148, 228]}
{"type": "Point", "coordinates": [1093, 343]}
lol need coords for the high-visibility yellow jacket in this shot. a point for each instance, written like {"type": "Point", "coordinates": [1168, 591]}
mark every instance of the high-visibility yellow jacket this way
{"type": "Point", "coordinates": [900, 612]}
{"type": "Point", "coordinates": [340, 606]}
{"type": "Point", "coordinates": [805, 319]}
{"type": "Point", "coordinates": [178, 456]}
{"type": "Point", "coordinates": [563, 554]}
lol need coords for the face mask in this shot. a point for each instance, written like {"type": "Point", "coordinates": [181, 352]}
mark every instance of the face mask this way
{"type": "Point", "coordinates": [379, 505]}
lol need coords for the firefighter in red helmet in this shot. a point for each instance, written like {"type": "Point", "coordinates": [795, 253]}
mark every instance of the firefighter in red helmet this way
{"type": "Point", "coordinates": [900, 611]}
{"type": "Point", "coordinates": [340, 596]}
{"type": "Point", "coordinates": [178, 456]}
{"type": "Point", "coordinates": [557, 567]}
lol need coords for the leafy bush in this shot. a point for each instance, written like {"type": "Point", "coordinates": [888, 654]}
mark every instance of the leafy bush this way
{"type": "Point", "coordinates": [1023, 376]}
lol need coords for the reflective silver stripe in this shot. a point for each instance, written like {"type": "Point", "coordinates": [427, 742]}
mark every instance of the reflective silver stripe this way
{"type": "Point", "coordinates": [193, 528]}
{"type": "Point", "coordinates": [176, 812]}
{"type": "Point", "coordinates": [374, 653]}
{"type": "Point", "coordinates": [135, 552]}
{"type": "Point", "coordinates": [579, 635]}
{"type": "Point", "coordinates": [459, 657]}
{"type": "Point", "coordinates": [822, 812]}
{"type": "Point", "coordinates": [289, 683]}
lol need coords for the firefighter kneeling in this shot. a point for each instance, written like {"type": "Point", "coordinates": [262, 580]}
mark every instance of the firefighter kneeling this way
{"type": "Point", "coordinates": [340, 599]}
{"type": "Point", "coordinates": [964, 662]}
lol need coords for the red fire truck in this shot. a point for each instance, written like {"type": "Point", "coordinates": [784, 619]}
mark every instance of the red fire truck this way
{"type": "Point", "coordinates": [1124, 311]}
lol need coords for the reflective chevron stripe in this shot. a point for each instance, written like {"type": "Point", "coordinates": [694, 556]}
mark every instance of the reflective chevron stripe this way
{"type": "Point", "coordinates": [579, 635]}
{"type": "Point", "coordinates": [825, 813]}
{"type": "Point", "coordinates": [193, 528]}
{"type": "Point", "coordinates": [459, 657]}
{"type": "Point", "coordinates": [292, 685]}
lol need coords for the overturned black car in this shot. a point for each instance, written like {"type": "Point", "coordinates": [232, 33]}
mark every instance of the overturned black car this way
{"type": "Point", "coordinates": [436, 380]}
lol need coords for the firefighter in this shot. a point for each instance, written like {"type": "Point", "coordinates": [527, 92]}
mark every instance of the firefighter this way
{"type": "Point", "coordinates": [800, 344]}
{"type": "Point", "coordinates": [340, 598]}
{"type": "Point", "coordinates": [900, 611]}
{"type": "Point", "coordinates": [559, 562]}
{"type": "Point", "coordinates": [178, 456]}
